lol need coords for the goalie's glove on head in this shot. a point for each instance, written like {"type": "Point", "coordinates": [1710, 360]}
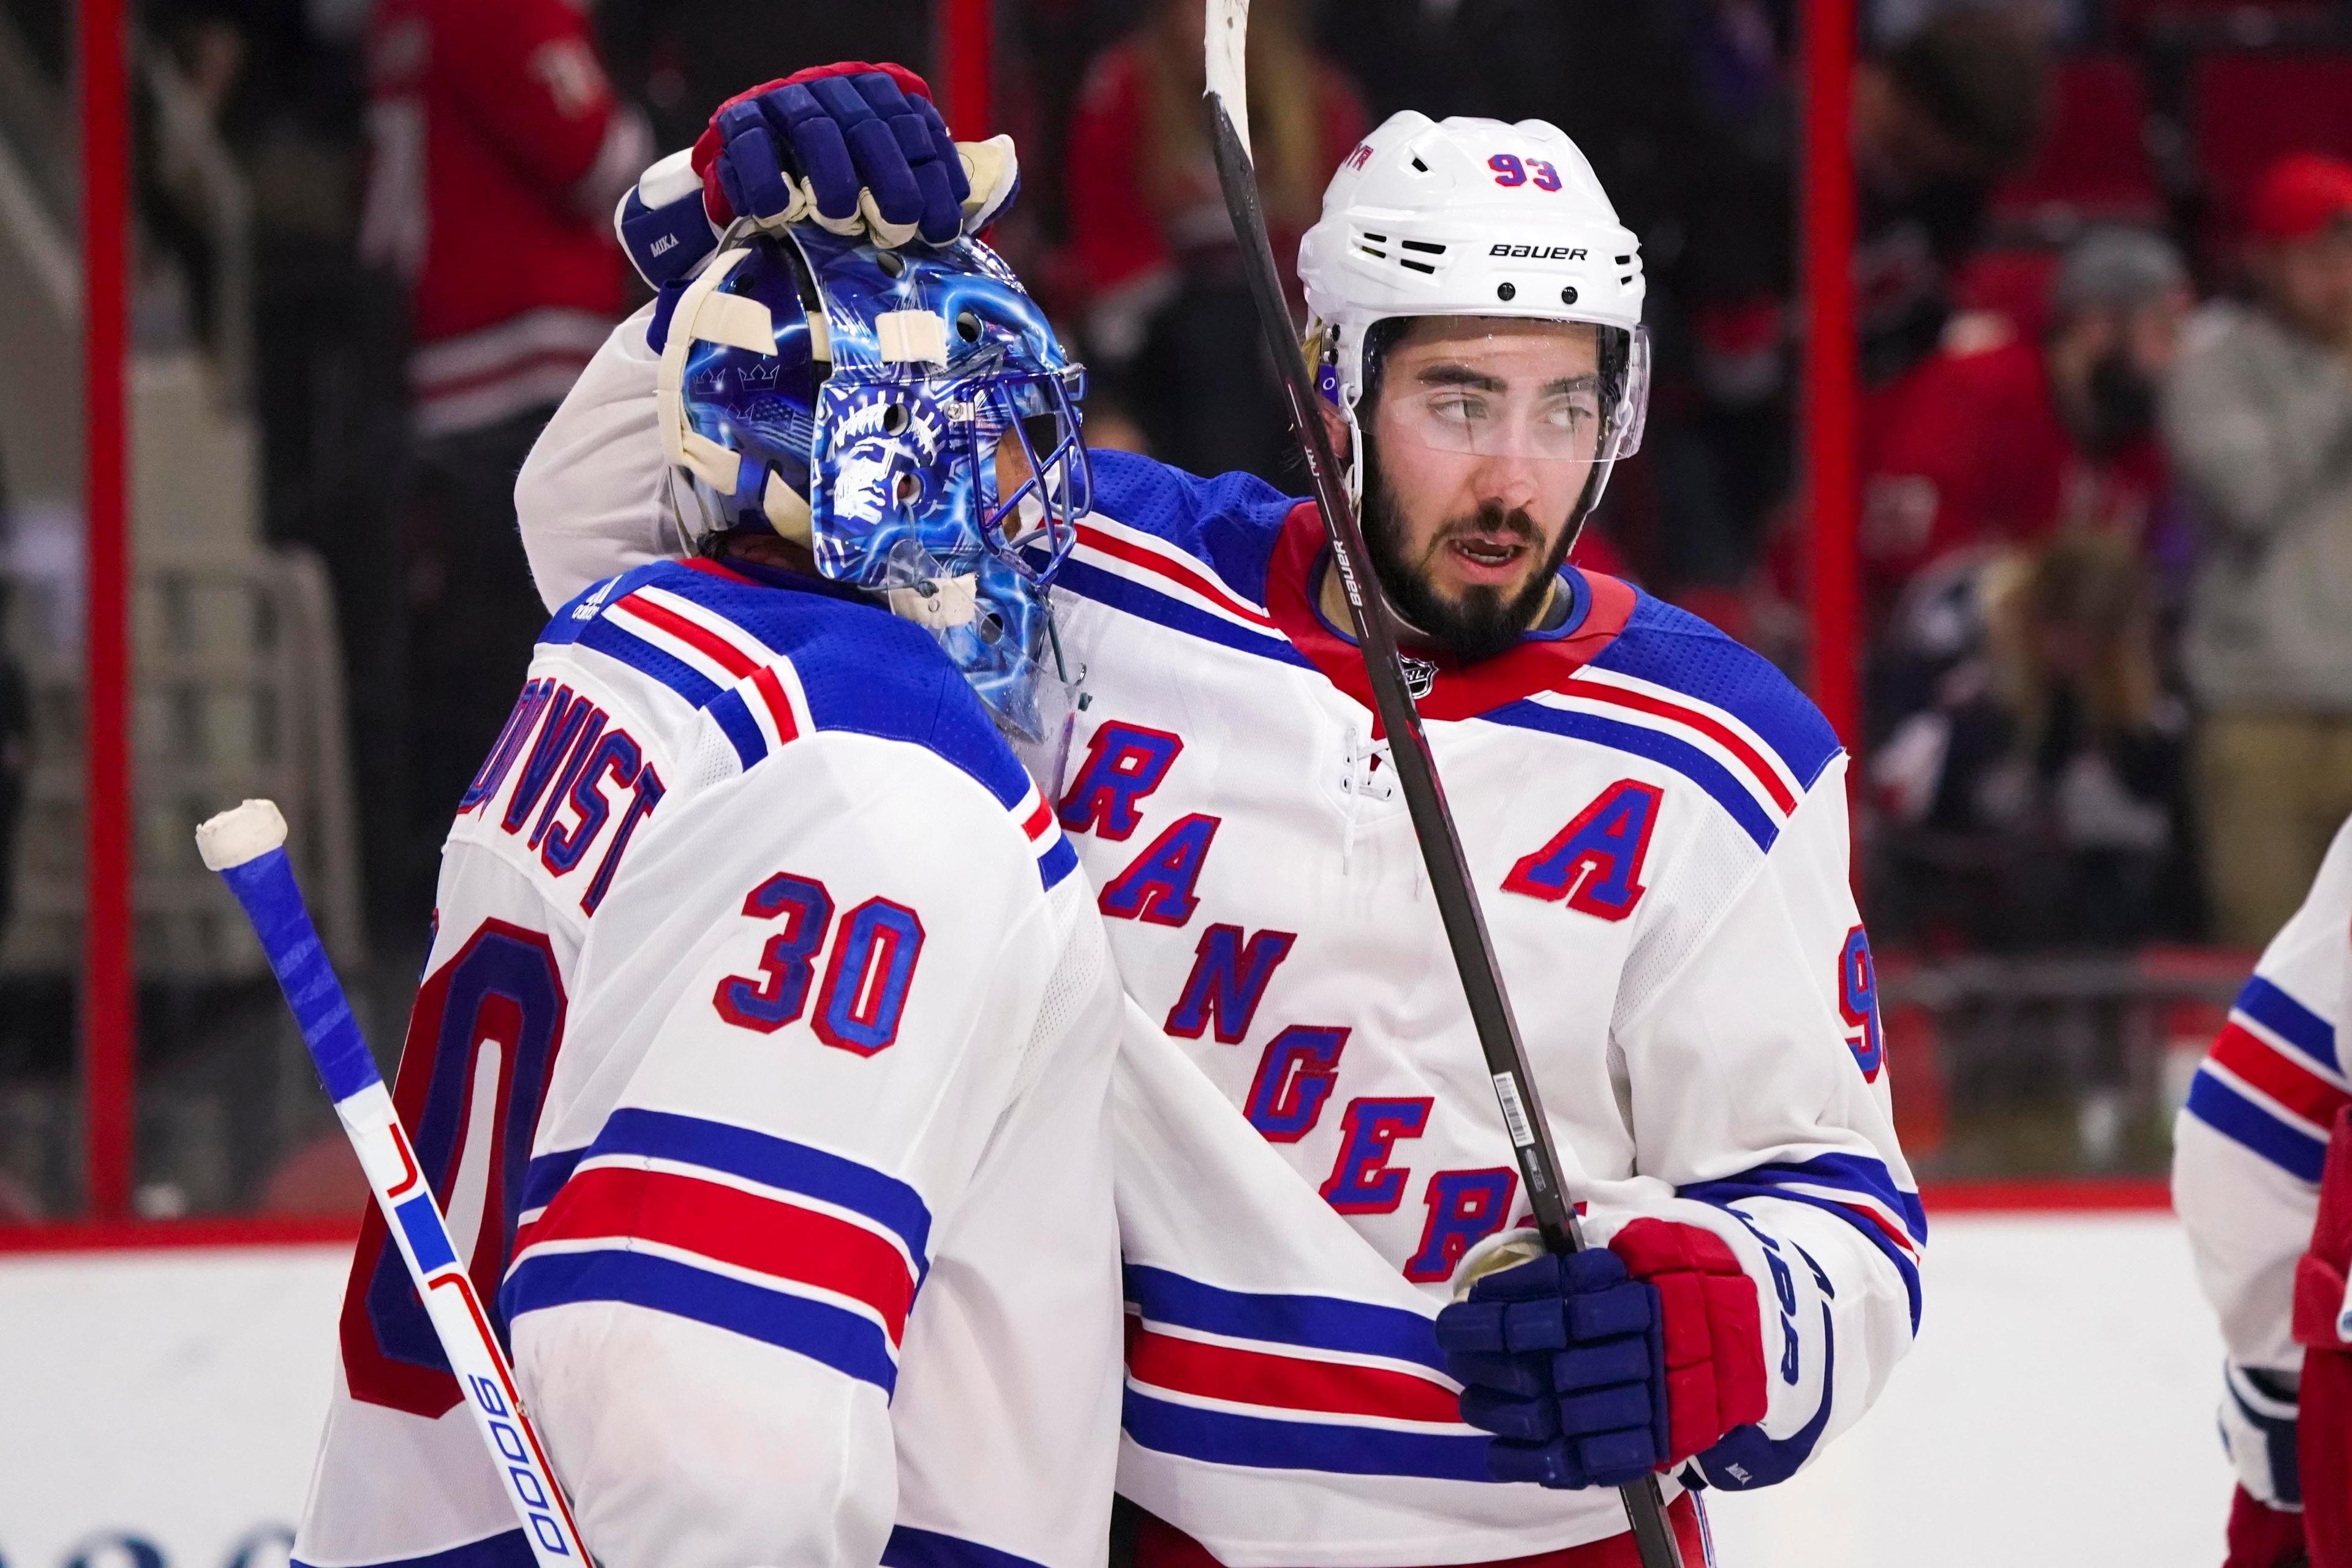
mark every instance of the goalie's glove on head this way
{"type": "Point", "coordinates": [857, 148]}
{"type": "Point", "coordinates": [1596, 1369]}
{"type": "Point", "coordinates": [853, 146]}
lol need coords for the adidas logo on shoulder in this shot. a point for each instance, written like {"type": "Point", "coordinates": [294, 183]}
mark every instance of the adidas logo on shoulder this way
{"type": "Point", "coordinates": [585, 610]}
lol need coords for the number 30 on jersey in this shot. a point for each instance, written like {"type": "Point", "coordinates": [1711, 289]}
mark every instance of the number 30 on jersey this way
{"type": "Point", "coordinates": [871, 965]}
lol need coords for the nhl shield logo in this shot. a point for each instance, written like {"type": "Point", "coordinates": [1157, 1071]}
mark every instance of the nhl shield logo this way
{"type": "Point", "coordinates": [1420, 676]}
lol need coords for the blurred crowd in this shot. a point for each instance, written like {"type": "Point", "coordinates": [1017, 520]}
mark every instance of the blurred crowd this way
{"type": "Point", "coordinates": [2105, 272]}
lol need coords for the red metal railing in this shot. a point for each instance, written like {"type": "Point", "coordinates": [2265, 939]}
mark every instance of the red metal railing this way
{"type": "Point", "coordinates": [1829, 398]}
{"type": "Point", "coordinates": [109, 1002]}
{"type": "Point", "coordinates": [968, 66]}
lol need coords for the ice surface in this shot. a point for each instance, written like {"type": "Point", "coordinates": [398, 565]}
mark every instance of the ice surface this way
{"type": "Point", "coordinates": [2057, 1409]}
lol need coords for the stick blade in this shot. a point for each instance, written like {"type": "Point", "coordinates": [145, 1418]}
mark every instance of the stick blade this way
{"type": "Point", "coordinates": [240, 834]}
{"type": "Point", "coordinates": [1226, 43]}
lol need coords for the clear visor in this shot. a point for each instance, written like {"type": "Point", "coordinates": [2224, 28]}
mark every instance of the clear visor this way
{"type": "Point", "coordinates": [1542, 391]}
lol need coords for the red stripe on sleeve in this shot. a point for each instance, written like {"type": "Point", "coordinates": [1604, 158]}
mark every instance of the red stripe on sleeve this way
{"type": "Point", "coordinates": [2292, 1085]}
{"type": "Point", "coordinates": [1174, 572]}
{"type": "Point", "coordinates": [1893, 1232]}
{"type": "Point", "coordinates": [729, 1225]}
{"type": "Point", "coordinates": [1039, 820]}
{"type": "Point", "coordinates": [779, 707]}
{"type": "Point", "coordinates": [1721, 734]}
{"type": "Point", "coordinates": [724, 654]}
{"type": "Point", "coordinates": [1255, 1377]}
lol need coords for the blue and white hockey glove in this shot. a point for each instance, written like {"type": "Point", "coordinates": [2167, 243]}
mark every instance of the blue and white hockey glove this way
{"type": "Point", "coordinates": [858, 148]}
{"type": "Point", "coordinates": [851, 145]}
{"type": "Point", "coordinates": [1596, 1369]}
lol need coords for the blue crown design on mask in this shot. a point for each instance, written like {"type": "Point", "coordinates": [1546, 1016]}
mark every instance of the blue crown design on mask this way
{"type": "Point", "coordinates": [909, 415]}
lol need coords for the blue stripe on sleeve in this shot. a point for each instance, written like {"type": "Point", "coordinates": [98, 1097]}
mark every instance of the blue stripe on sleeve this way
{"type": "Point", "coordinates": [1056, 863]}
{"type": "Point", "coordinates": [1685, 759]}
{"type": "Point", "coordinates": [2240, 1121]}
{"type": "Point", "coordinates": [911, 1548]}
{"type": "Point", "coordinates": [546, 1177]}
{"type": "Point", "coordinates": [1091, 582]}
{"type": "Point", "coordinates": [844, 1341]}
{"type": "Point", "coordinates": [1220, 1437]}
{"type": "Point", "coordinates": [1855, 1173]}
{"type": "Point", "coordinates": [2289, 1020]}
{"type": "Point", "coordinates": [642, 655]}
{"type": "Point", "coordinates": [772, 1161]}
{"type": "Point", "coordinates": [1230, 524]}
{"type": "Point", "coordinates": [1315, 1322]}
{"type": "Point", "coordinates": [734, 719]}
{"type": "Point", "coordinates": [1675, 650]}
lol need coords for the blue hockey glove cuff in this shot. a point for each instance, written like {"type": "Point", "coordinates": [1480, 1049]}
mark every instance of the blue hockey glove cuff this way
{"type": "Point", "coordinates": [661, 223]}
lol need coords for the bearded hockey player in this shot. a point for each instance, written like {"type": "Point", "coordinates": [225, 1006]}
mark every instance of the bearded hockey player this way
{"type": "Point", "coordinates": [2262, 1177]}
{"type": "Point", "coordinates": [1311, 1164]}
{"type": "Point", "coordinates": [762, 1053]}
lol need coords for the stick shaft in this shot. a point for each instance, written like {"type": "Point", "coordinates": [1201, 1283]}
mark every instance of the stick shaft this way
{"type": "Point", "coordinates": [1433, 820]}
{"type": "Point", "coordinates": [1440, 846]}
{"type": "Point", "coordinates": [273, 902]}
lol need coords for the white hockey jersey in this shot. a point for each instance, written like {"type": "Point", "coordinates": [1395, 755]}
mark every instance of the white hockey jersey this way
{"type": "Point", "coordinates": [760, 1064]}
{"type": "Point", "coordinates": [2248, 1148]}
{"type": "Point", "coordinates": [1657, 820]}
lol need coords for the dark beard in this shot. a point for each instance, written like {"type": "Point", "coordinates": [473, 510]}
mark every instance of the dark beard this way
{"type": "Point", "coordinates": [1483, 622]}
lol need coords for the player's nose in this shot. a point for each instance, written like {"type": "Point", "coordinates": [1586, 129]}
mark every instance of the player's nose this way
{"type": "Point", "coordinates": [1507, 482]}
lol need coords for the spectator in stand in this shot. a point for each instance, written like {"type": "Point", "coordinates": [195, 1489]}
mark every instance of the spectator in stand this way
{"type": "Point", "coordinates": [1937, 121]}
{"type": "Point", "coordinates": [1172, 337]}
{"type": "Point", "coordinates": [2259, 422]}
{"type": "Point", "coordinates": [2035, 785]}
{"type": "Point", "coordinates": [1996, 440]}
{"type": "Point", "coordinates": [479, 112]}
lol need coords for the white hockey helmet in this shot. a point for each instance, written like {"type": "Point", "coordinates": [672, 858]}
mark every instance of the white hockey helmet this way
{"type": "Point", "coordinates": [1473, 218]}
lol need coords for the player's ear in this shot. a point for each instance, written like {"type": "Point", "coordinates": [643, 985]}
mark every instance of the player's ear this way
{"type": "Point", "coordinates": [1334, 427]}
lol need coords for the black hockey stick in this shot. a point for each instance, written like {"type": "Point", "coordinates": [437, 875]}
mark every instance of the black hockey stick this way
{"type": "Point", "coordinates": [1433, 822]}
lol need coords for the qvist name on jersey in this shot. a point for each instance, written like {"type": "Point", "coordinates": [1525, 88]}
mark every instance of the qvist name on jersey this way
{"type": "Point", "coordinates": [761, 1066]}
{"type": "Point", "coordinates": [1308, 1145]}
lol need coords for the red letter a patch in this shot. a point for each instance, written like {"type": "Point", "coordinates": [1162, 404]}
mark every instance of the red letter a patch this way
{"type": "Point", "coordinates": [1595, 862]}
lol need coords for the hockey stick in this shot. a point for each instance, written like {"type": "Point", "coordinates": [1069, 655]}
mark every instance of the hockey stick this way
{"type": "Point", "coordinates": [246, 846]}
{"type": "Point", "coordinates": [1433, 822]}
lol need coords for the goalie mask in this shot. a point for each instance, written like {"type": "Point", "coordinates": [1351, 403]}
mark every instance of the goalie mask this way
{"type": "Point", "coordinates": [1476, 218]}
{"type": "Point", "coordinates": [907, 415]}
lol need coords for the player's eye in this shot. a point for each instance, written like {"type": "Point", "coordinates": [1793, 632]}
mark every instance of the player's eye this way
{"type": "Point", "coordinates": [1458, 407]}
